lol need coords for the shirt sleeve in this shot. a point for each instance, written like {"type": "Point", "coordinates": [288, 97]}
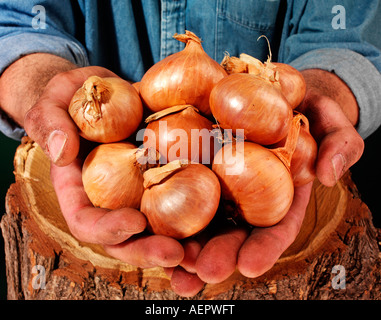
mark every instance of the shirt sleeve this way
{"type": "Point", "coordinates": [320, 34]}
{"type": "Point", "coordinates": [28, 27]}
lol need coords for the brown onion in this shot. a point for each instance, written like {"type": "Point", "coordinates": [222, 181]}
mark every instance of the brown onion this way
{"type": "Point", "coordinates": [112, 176]}
{"type": "Point", "coordinates": [283, 76]}
{"type": "Point", "coordinates": [106, 109]}
{"type": "Point", "coordinates": [180, 132]}
{"type": "Point", "coordinates": [245, 101]}
{"type": "Point", "coordinates": [293, 85]}
{"type": "Point", "coordinates": [180, 198]}
{"type": "Point", "coordinates": [262, 191]}
{"type": "Point", "coordinates": [186, 77]}
{"type": "Point", "coordinates": [257, 179]}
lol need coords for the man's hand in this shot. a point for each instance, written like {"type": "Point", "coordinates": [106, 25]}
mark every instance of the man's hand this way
{"type": "Point", "coordinates": [332, 112]}
{"type": "Point", "coordinates": [110, 228]}
{"type": "Point", "coordinates": [36, 91]}
{"type": "Point", "coordinates": [49, 124]}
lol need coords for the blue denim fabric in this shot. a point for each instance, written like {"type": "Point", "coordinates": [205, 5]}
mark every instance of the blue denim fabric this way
{"type": "Point", "coordinates": [129, 36]}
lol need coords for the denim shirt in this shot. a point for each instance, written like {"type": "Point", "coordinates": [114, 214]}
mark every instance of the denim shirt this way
{"type": "Point", "coordinates": [127, 37]}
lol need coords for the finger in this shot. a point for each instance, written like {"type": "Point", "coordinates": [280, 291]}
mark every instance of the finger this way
{"type": "Point", "coordinates": [86, 223]}
{"type": "Point", "coordinates": [169, 271]}
{"type": "Point", "coordinates": [218, 259]}
{"type": "Point", "coordinates": [148, 251]}
{"type": "Point", "coordinates": [265, 245]}
{"type": "Point", "coordinates": [48, 122]}
{"type": "Point", "coordinates": [192, 249]}
{"type": "Point", "coordinates": [184, 283]}
{"type": "Point", "coordinates": [184, 280]}
{"type": "Point", "coordinates": [52, 128]}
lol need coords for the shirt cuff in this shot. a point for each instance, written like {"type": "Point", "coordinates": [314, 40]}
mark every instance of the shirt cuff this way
{"type": "Point", "coordinates": [361, 76]}
{"type": "Point", "coordinates": [14, 47]}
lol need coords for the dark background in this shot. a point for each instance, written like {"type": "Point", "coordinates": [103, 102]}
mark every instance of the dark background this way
{"type": "Point", "coordinates": [366, 174]}
{"type": "Point", "coordinates": [7, 151]}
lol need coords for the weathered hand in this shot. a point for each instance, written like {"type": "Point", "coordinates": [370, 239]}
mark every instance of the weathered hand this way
{"type": "Point", "coordinates": [332, 112]}
{"type": "Point", "coordinates": [111, 228]}
{"type": "Point", "coordinates": [50, 125]}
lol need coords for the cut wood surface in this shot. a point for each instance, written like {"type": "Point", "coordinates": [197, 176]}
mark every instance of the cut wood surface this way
{"type": "Point", "coordinates": [335, 256]}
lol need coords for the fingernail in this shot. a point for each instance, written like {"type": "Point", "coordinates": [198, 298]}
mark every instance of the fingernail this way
{"type": "Point", "coordinates": [338, 164]}
{"type": "Point", "coordinates": [56, 144]}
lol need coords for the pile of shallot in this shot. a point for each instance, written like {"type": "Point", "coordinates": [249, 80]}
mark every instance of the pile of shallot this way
{"type": "Point", "coordinates": [215, 134]}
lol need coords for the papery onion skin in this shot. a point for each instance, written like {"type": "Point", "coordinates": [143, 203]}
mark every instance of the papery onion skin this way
{"type": "Point", "coordinates": [257, 182]}
{"type": "Point", "coordinates": [283, 76]}
{"type": "Point", "coordinates": [244, 101]}
{"type": "Point", "coordinates": [185, 77]}
{"type": "Point", "coordinates": [178, 137]}
{"type": "Point", "coordinates": [117, 114]}
{"type": "Point", "coordinates": [182, 204]}
{"type": "Point", "coordinates": [111, 178]}
{"type": "Point", "coordinates": [303, 160]}
{"type": "Point", "coordinates": [293, 85]}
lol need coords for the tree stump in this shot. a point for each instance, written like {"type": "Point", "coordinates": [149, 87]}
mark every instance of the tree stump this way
{"type": "Point", "coordinates": [336, 255]}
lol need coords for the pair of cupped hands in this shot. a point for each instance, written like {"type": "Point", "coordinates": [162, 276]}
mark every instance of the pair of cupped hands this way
{"type": "Point", "coordinates": [333, 113]}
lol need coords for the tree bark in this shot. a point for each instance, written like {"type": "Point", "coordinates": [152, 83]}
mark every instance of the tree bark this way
{"type": "Point", "coordinates": [335, 256]}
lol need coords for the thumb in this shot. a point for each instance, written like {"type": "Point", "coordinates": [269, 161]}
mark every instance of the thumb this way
{"type": "Point", "coordinates": [338, 151]}
{"type": "Point", "coordinates": [340, 146]}
{"type": "Point", "coordinates": [51, 127]}
{"type": "Point", "coordinates": [48, 122]}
